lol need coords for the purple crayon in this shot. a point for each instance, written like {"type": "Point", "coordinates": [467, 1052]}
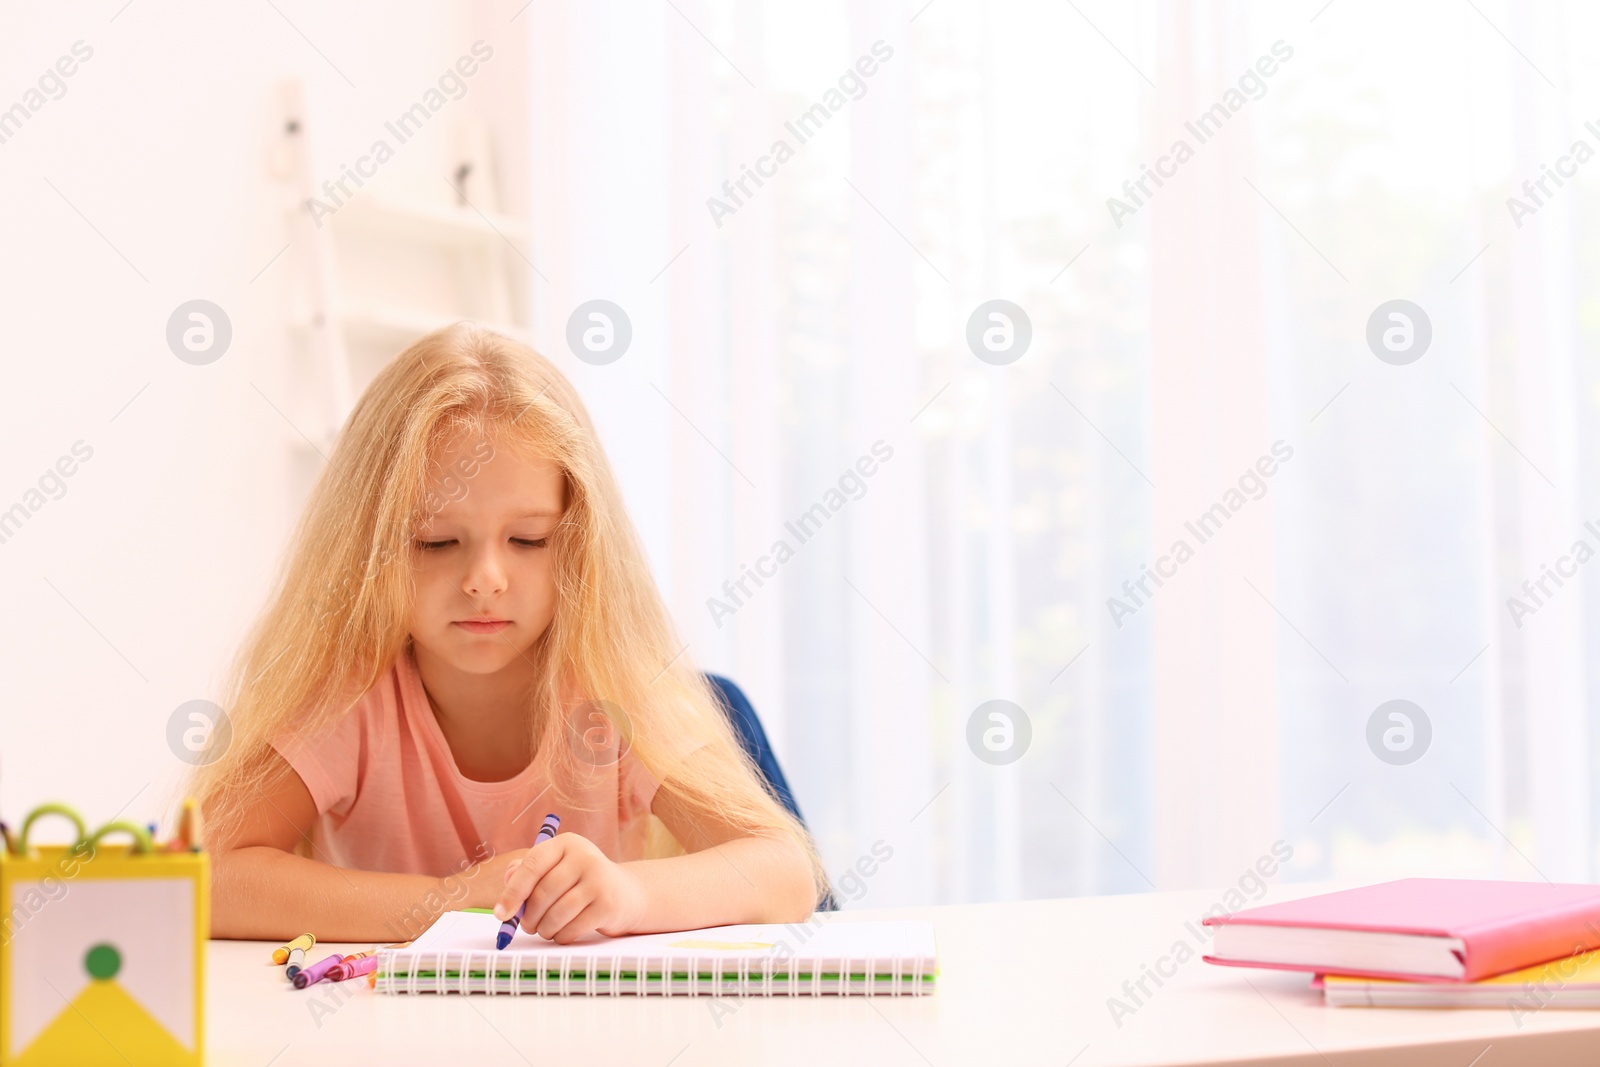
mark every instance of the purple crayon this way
{"type": "Point", "coordinates": [508, 929]}
{"type": "Point", "coordinates": [316, 971]}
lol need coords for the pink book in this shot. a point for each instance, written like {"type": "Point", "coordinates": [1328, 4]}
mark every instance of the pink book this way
{"type": "Point", "coordinates": [1416, 928]}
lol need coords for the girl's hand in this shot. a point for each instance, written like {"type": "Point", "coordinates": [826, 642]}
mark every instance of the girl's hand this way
{"type": "Point", "coordinates": [572, 889]}
{"type": "Point", "coordinates": [487, 880]}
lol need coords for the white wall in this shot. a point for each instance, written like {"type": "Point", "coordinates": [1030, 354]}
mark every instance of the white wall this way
{"type": "Point", "coordinates": [127, 596]}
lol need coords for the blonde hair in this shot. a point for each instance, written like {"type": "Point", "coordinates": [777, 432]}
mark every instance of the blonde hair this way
{"type": "Point", "coordinates": [337, 619]}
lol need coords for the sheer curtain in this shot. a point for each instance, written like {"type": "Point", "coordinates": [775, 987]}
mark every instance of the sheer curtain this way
{"type": "Point", "coordinates": [877, 531]}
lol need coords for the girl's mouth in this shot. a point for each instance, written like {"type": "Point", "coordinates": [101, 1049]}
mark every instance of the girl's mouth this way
{"type": "Point", "coordinates": [482, 626]}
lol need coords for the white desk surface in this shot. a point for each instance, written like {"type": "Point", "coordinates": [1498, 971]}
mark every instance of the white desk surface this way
{"type": "Point", "coordinates": [1020, 983]}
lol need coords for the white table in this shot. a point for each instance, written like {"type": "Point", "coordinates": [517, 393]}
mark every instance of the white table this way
{"type": "Point", "coordinates": [1020, 983]}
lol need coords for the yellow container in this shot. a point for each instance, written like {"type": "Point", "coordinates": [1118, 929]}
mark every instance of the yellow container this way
{"type": "Point", "coordinates": [102, 951]}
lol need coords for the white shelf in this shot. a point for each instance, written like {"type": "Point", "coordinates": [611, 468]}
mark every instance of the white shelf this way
{"type": "Point", "coordinates": [401, 326]}
{"type": "Point", "coordinates": [428, 222]}
{"type": "Point", "coordinates": [397, 327]}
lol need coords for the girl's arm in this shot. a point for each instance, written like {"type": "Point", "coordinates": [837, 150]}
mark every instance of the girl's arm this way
{"type": "Point", "coordinates": [726, 877]}
{"type": "Point", "coordinates": [260, 889]}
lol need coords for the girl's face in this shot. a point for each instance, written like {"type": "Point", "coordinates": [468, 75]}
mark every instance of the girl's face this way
{"type": "Point", "coordinates": [485, 585]}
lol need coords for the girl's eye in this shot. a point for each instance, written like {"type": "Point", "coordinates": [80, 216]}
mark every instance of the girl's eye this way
{"type": "Point", "coordinates": [431, 546]}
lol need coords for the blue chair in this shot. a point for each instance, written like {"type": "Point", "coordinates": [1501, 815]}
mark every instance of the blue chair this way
{"type": "Point", "coordinates": [754, 741]}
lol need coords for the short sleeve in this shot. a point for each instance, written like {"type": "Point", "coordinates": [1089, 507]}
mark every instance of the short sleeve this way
{"type": "Point", "coordinates": [328, 761]}
{"type": "Point", "coordinates": [639, 784]}
{"type": "Point", "coordinates": [636, 786]}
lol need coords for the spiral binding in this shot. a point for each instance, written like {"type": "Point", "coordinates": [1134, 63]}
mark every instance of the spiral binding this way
{"type": "Point", "coordinates": [562, 982]}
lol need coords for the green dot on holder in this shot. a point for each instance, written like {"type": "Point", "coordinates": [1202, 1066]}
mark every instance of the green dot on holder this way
{"type": "Point", "coordinates": [103, 961]}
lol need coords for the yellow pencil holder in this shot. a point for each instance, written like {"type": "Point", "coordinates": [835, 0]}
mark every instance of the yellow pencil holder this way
{"type": "Point", "coordinates": [102, 950]}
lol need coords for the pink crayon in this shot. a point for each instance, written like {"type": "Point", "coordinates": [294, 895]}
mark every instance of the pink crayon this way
{"type": "Point", "coordinates": [317, 971]}
{"type": "Point", "coordinates": [353, 968]}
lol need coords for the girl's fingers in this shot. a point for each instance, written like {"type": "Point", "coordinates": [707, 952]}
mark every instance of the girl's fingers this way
{"type": "Point", "coordinates": [551, 888]}
{"type": "Point", "coordinates": [520, 883]}
{"type": "Point", "coordinates": [518, 886]}
{"type": "Point", "coordinates": [511, 868]}
{"type": "Point", "coordinates": [563, 910]}
{"type": "Point", "coordinates": [582, 923]}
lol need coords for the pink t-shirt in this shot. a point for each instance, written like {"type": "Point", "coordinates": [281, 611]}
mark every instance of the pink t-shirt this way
{"type": "Point", "coordinates": [389, 796]}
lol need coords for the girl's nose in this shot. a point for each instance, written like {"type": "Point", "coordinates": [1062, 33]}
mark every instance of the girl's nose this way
{"type": "Point", "coordinates": [486, 576]}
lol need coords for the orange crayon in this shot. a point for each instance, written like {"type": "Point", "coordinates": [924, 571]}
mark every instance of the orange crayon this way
{"type": "Point", "coordinates": [187, 837]}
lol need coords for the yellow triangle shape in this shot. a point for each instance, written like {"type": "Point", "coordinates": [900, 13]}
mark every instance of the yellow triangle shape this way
{"type": "Point", "coordinates": [103, 1025]}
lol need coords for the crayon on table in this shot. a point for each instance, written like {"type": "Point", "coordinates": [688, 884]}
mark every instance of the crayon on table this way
{"type": "Point", "coordinates": [508, 929]}
{"type": "Point", "coordinates": [347, 961]}
{"type": "Point", "coordinates": [296, 961]}
{"type": "Point", "coordinates": [281, 953]}
{"type": "Point", "coordinates": [317, 971]}
{"type": "Point", "coordinates": [294, 954]}
{"type": "Point", "coordinates": [353, 967]}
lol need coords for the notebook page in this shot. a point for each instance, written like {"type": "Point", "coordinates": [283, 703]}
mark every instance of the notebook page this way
{"type": "Point", "coordinates": [880, 941]}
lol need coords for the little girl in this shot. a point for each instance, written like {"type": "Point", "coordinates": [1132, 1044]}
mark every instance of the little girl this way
{"type": "Point", "coordinates": [465, 638]}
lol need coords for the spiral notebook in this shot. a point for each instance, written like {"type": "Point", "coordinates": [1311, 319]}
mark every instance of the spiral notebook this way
{"type": "Point", "coordinates": [834, 957]}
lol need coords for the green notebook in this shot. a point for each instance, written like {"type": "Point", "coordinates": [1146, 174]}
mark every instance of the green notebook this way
{"type": "Point", "coordinates": [824, 957]}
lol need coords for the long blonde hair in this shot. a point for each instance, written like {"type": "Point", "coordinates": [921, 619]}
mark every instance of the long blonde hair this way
{"type": "Point", "coordinates": [337, 619]}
